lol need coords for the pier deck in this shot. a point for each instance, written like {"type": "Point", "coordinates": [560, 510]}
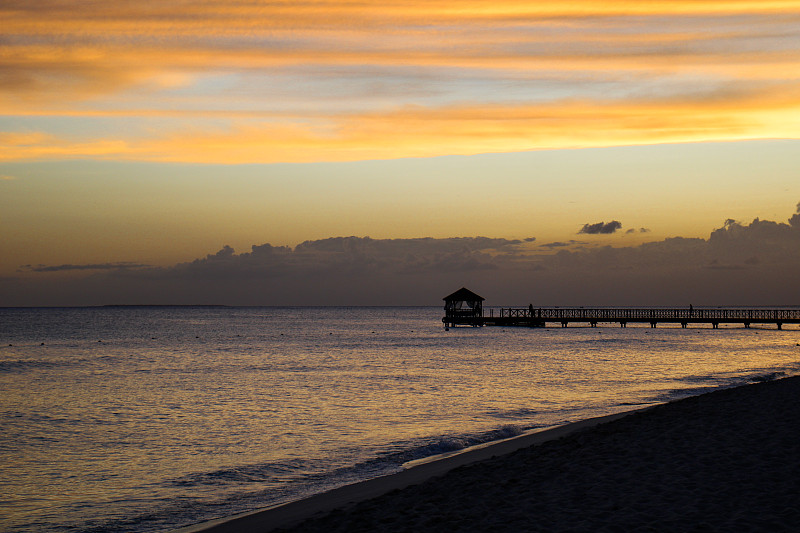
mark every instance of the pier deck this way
{"type": "Point", "coordinates": [539, 317]}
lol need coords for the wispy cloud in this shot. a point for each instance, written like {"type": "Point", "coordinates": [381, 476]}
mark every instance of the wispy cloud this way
{"type": "Point", "coordinates": [418, 131]}
{"type": "Point", "coordinates": [394, 79]}
{"type": "Point", "coordinates": [561, 244]}
{"type": "Point", "coordinates": [124, 265]}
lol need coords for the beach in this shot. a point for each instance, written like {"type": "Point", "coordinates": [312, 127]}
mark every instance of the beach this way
{"type": "Point", "coordinates": [728, 460]}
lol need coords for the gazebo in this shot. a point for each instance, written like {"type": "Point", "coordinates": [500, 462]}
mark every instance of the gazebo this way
{"type": "Point", "coordinates": [463, 307]}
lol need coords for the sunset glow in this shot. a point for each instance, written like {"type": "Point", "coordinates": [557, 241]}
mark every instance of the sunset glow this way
{"type": "Point", "coordinates": [332, 81]}
{"type": "Point", "coordinates": [239, 89]}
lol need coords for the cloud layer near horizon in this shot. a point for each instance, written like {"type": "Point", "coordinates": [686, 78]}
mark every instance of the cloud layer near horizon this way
{"type": "Point", "coordinates": [739, 264]}
{"type": "Point", "coordinates": [258, 82]}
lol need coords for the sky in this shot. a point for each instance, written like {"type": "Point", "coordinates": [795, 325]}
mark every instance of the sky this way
{"type": "Point", "coordinates": [388, 153]}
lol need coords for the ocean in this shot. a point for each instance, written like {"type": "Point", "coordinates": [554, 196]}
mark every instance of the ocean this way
{"type": "Point", "coordinates": [153, 418]}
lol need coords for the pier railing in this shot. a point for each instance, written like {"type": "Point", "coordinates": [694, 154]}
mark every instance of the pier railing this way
{"type": "Point", "coordinates": [537, 317]}
{"type": "Point", "coordinates": [617, 314]}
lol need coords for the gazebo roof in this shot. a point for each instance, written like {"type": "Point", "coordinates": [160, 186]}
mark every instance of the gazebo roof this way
{"type": "Point", "coordinates": [463, 294]}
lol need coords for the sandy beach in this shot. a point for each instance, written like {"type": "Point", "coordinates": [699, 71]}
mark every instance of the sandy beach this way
{"type": "Point", "coordinates": [724, 461]}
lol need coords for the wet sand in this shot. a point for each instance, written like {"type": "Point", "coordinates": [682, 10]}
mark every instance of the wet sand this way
{"type": "Point", "coordinates": [724, 461]}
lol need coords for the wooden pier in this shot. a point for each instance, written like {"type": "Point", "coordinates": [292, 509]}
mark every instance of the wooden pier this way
{"type": "Point", "coordinates": [540, 317]}
{"type": "Point", "coordinates": [465, 308]}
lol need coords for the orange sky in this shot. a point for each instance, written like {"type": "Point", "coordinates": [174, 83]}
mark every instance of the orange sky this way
{"type": "Point", "coordinates": [159, 131]}
{"type": "Point", "coordinates": [329, 81]}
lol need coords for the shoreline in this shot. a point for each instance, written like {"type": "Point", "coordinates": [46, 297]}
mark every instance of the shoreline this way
{"type": "Point", "coordinates": [641, 451]}
{"type": "Point", "coordinates": [413, 473]}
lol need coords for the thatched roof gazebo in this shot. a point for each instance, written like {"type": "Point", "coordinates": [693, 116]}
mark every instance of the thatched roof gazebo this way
{"type": "Point", "coordinates": [463, 307]}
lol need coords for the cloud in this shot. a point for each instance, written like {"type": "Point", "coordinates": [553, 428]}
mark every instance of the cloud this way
{"type": "Point", "coordinates": [561, 244]}
{"type": "Point", "coordinates": [530, 239]}
{"type": "Point", "coordinates": [7, 178]}
{"type": "Point", "coordinates": [207, 83]}
{"type": "Point", "coordinates": [272, 136]}
{"type": "Point", "coordinates": [753, 263]}
{"type": "Point", "coordinates": [42, 146]}
{"type": "Point", "coordinates": [123, 265]}
{"type": "Point", "coordinates": [640, 230]}
{"type": "Point", "coordinates": [350, 256]}
{"type": "Point", "coordinates": [601, 228]}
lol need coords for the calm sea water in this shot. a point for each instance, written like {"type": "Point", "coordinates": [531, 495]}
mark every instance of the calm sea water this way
{"type": "Point", "coordinates": [151, 418]}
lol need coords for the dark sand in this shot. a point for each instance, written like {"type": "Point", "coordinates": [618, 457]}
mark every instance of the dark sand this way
{"type": "Point", "coordinates": [724, 461]}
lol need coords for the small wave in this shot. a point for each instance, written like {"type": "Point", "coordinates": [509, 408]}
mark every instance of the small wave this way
{"type": "Point", "coordinates": [448, 443]}
{"type": "Point", "coordinates": [522, 412]}
{"type": "Point", "coordinates": [727, 380]}
{"type": "Point", "coordinates": [771, 376]}
{"type": "Point", "coordinates": [23, 366]}
{"type": "Point", "coordinates": [604, 341]}
{"type": "Point", "coordinates": [255, 473]}
{"type": "Point", "coordinates": [702, 378]}
{"type": "Point", "coordinates": [715, 382]}
{"type": "Point", "coordinates": [678, 394]}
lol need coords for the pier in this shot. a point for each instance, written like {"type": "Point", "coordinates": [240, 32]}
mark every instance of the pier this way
{"type": "Point", "coordinates": [540, 317]}
{"type": "Point", "coordinates": [465, 308]}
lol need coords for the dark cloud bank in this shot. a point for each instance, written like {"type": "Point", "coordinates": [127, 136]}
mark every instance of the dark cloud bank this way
{"type": "Point", "coordinates": [739, 264]}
